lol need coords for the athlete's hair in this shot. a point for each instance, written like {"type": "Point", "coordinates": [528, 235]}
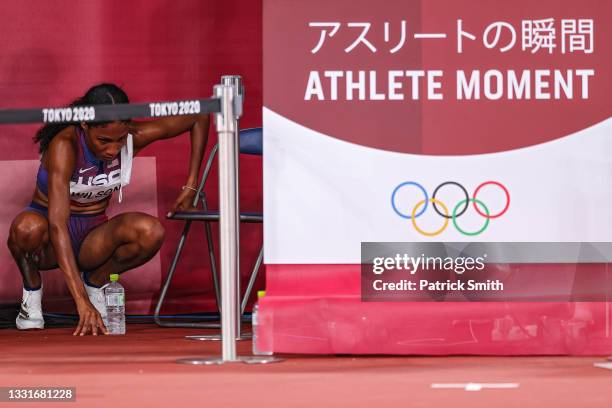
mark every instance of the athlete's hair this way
{"type": "Point", "coordinates": [102, 94]}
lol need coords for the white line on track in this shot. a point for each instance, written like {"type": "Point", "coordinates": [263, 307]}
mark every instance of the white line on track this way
{"type": "Point", "coordinates": [474, 386]}
{"type": "Point", "coordinates": [607, 365]}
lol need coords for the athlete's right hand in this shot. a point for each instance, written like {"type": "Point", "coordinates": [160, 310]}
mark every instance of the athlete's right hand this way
{"type": "Point", "coordinates": [89, 320]}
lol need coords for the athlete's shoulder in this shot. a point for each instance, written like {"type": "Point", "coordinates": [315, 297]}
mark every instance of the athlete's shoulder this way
{"type": "Point", "coordinates": [66, 139]}
{"type": "Point", "coordinates": [136, 128]}
{"type": "Point", "coordinates": [62, 150]}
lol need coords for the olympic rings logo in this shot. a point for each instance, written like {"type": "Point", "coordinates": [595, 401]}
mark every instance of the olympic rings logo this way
{"type": "Point", "coordinates": [441, 209]}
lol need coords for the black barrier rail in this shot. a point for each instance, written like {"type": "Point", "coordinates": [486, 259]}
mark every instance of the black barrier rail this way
{"type": "Point", "coordinates": [104, 113]}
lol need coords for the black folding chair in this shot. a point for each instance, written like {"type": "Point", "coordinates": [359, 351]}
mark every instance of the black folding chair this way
{"type": "Point", "coordinates": [250, 143]}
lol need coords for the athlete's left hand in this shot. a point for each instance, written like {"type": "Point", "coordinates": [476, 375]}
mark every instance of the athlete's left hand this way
{"type": "Point", "coordinates": [183, 202]}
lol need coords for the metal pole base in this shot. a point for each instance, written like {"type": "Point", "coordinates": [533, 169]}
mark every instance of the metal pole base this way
{"type": "Point", "coordinates": [217, 337]}
{"type": "Point", "coordinates": [218, 360]}
{"type": "Point", "coordinates": [261, 359]}
{"type": "Point", "coordinates": [206, 361]}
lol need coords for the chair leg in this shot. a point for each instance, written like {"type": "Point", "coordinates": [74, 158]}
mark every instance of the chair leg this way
{"type": "Point", "coordinates": [213, 264]}
{"type": "Point", "coordinates": [168, 280]}
{"type": "Point", "coordinates": [211, 255]}
{"type": "Point", "coordinates": [164, 291]}
{"type": "Point", "coordinates": [252, 279]}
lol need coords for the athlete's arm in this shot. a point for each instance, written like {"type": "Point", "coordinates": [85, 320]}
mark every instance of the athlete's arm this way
{"type": "Point", "coordinates": [145, 133]}
{"type": "Point", "coordinates": [60, 165]}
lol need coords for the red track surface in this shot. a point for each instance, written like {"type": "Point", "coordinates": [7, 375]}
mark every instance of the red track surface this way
{"type": "Point", "coordinates": [139, 370]}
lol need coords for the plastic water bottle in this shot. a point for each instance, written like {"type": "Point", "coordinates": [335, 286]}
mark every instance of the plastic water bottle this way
{"type": "Point", "coordinates": [115, 306]}
{"type": "Point", "coordinates": [256, 349]}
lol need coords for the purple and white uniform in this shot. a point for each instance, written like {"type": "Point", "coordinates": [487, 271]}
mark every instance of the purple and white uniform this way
{"type": "Point", "coordinates": [92, 181]}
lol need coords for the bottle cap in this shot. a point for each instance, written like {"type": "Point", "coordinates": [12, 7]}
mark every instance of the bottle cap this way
{"type": "Point", "coordinates": [114, 277]}
{"type": "Point", "coordinates": [261, 293]}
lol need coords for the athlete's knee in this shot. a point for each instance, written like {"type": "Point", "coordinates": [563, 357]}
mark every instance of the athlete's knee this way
{"type": "Point", "coordinates": [151, 233]}
{"type": "Point", "coordinates": [27, 234]}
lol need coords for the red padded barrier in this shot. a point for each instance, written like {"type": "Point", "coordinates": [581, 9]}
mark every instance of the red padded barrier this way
{"type": "Point", "coordinates": [317, 309]}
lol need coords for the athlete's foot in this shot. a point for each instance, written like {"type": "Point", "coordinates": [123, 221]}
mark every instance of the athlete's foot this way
{"type": "Point", "coordinates": [30, 315]}
{"type": "Point", "coordinates": [96, 297]}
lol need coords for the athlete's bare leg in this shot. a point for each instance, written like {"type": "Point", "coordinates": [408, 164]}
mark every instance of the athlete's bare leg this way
{"type": "Point", "coordinates": [31, 247]}
{"type": "Point", "coordinates": [124, 242]}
